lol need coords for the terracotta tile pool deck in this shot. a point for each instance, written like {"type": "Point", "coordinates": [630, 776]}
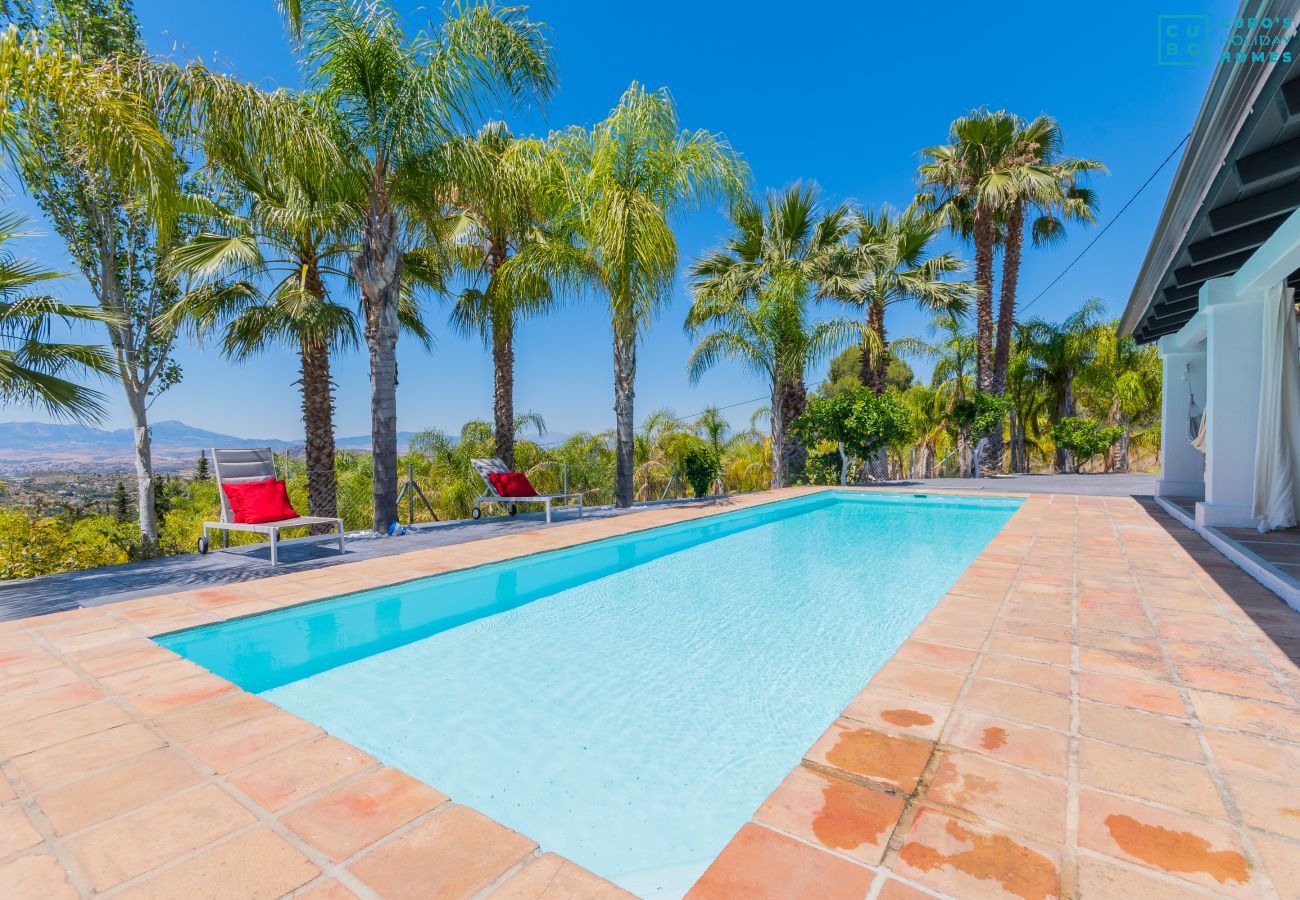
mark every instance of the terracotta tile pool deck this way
{"type": "Point", "coordinates": [1102, 706]}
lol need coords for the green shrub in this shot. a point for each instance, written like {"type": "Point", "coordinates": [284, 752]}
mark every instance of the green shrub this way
{"type": "Point", "coordinates": [1085, 438]}
{"type": "Point", "coordinates": [700, 467]}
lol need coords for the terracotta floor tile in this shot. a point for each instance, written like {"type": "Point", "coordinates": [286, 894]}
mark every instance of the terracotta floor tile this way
{"type": "Point", "coordinates": [198, 719]}
{"type": "Point", "coordinates": [326, 889]}
{"type": "Point", "coordinates": [120, 789]}
{"type": "Point", "coordinates": [925, 681]}
{"type": "Point", "coordinates": [16, 831]}
{"type": "Point", "coordinates": [1282, 862]}
{"type": "Point", "coordinates": [967, 860]}
{"type": "Point", "coordinates": [1247, 715]}
{"type": "Point", "coordinates": [1252, 755]}
{"type": "Point", "coordinates": [1131, 693]}
{"type": "Point", "coordinates": [941, 656]}
{"type": "Point", "coordinates": [25, 707]}
{"type": "Point", "coordinates": [836, 814]}
{"type": "Point", "coordinates": [237, 745]}
{"type": "Point", "coordinates": [155, 834]}
{"type": "Point", "coordinates": [1142, 731]}
{"type": "Point", "coordinates": [953, 635]}
{"type": "Point", "coordinates": [360, 812]}
{"type": "Point", "coordinates": [893, 761]}
{"type": "Point", "coordinates": [551, 877]}
{"type": "Point", "coordinates": [1011, 742]}
{"type": "Point", "coordinates": [759, 863]}
{"type": "Point", "coordinates": [158, 700]}
{"type": "Point", "coordinates": [894, 711]}
{"type": "Point", "coordinates": [1029, 648]}
{"type": "Point", "coordinates": [126, 655]}
{"type": "Point", "coordinates": [78, 757]}
{"type": "Point", "coordinates": [1040, 676]}
{"type": "Point", "coordinates": [1136, 773]}
{"type": "Point", "coordinates": [258, 863]}
{"type": "Point", "coordinates": [280, 779]}
{"type": "Point", "coordinates": [1002, 794]}
{"type": "Point", "coordinates": [1253, 685]}
{"type": "Point", "coordinates": [1181, 845]}
{"type": "Point", "coordinates": [1270, 805]}
{"type": "Point", "coordinates": [158, 674]}
{"type": "Point", "coordinates": [1102, 880]}
{"type": "Point", "coordinates": [36, 876]}
{"type": "Point", "coordinates": [1032, 629]}
{"type": "Point", "coordinates": [1129, 665]}
{"type": "Point", "coordinates": [58, 727]}
{"type": "Point", "coordinates": [456, 853]}
{"type": "Point", "coordinates": [1020, 703]}
{"type": "Point", "coordinates": [893, 889]}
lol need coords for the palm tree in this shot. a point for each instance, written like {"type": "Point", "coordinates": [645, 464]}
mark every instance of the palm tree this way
{"type": "Point", "coordinates": [954, 352]}
{"type": "Point", "coordinates": [1057, 353]}
{"type": "Point", "coordinates": [1124, 380]}
{"type": "Point", "coordinates": [713, 426]}
{"type": "Point", "coordinates": [501, 195]}
{"type": "Point", "coordinates": [752, 298]}
{"type": "Point", "coordinates": [398, 100]}
{"type": "Point", "coordinates": [624, 178]}
{"type": "Point", "coordinates": [894, 265]}
{"type": "Point", "coordinates": [967, 183]}
{"type": "Point", "coordinates": [1044, 186]}
{"type": "Point", "coordinates": [292, 230]}
{"type": "Point", "coordinates": [32, 367]}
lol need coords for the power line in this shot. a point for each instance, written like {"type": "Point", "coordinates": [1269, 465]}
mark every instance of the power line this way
{"type": "Point", "coordinates": [691, 418]}
{"type": "Point", "coordinates": [1097, 237]}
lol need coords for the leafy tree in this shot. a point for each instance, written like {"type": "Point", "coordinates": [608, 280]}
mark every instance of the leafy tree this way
{"type": "Point", "coordinates": [893, 263]}
{"type": "Point", "coordinates": [121, 504]}
{"type": "Point", "coordinates": [845, 373]}
{"type": "Point", "coordinates": [503, 188]}
{"type": "Point", "coordinates": [1045, 188]}
{"type": "Point", "coordinates": [119, 228]}
{"type": "Point", "coordinates": [624, 178]}
{"type": "Point", "coordinates": [752, 301]}
{"type": "Point", "coordinates": [32, 366]}
{"type": "Point", "coordinates": [1083, 438]}
{"type": "Point", "coordinates": [859, 424]}
{"type": "Point", "coordinates": [1056, 353]}
{"type": "Point", "coordinates": [397, 101]}
{"type": "Point", "coordinates": [1123, 382]}
{"type": "Point", "coordinates": [701, 466]}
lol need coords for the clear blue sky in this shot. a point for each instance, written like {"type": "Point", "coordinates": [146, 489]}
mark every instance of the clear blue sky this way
{"type": "Point", "coordinates": [842, 94]}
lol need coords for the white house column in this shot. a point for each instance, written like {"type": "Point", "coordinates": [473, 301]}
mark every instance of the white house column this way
{"type": "Point", "coordinates": [1182, 466]}
{"type": "Point", "coordinates": [1234, 348]}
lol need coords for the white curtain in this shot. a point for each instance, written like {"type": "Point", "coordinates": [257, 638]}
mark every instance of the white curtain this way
{"type": "Point", "coordinates": [1277, 454]}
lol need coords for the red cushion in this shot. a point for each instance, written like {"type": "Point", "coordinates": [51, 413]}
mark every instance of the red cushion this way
{"type": "Point", "coordinates": [258, 502]}
{"type": "Point", "coordinates": [512, 484]}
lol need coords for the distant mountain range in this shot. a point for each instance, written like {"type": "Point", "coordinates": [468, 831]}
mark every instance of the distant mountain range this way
{"type": "Point", "coordinates": [36, 446]}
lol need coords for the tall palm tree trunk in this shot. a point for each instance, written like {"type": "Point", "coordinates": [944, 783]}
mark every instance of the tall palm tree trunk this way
{"type": "Point", "coordinates": [984, 238]}
{"type": "Point", "coordinates": [624, 438]}
{"type": "Point", "coordinates": [778, 436]}
{"type": "Point", "coordinates": [503, 375]}
{"type": "Point", "coordinates": [1007, 304]}
{"type": "Point", "coordinates": [377, 268]}
{"type": "Point", "coordinates": [318, 424]}
{"type": "Point", "coordinates": [793, 401]}
{"type": "Point", "coordinates": [875, 365]}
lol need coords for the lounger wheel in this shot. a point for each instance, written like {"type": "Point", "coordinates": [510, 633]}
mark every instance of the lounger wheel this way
{"type": "Point", "coordinates": [513, 509]}
{"type": "Point", "coordinates": [203, 545]}
{"type": "Point", "coordinates": [476, 513]}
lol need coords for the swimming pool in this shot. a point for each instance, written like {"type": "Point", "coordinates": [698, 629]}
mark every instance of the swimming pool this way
{"type": "Point", "coordinates": [627, 703]}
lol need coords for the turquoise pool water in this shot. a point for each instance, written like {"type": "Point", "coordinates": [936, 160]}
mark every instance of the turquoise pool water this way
{"type": "Point", "coordinates": [628, 703]}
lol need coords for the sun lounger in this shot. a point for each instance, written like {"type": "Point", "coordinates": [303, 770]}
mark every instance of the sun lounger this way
{"type": "Point", "coordinates": [488, 467]}
{"type": "Point", "coordinates": [242, 467]}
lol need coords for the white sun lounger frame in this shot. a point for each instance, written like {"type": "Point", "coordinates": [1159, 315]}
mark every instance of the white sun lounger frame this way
{"type": "Point", "coordinates": [494, 466]}
{"type": "Point", "coordinates": [240, 466]}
